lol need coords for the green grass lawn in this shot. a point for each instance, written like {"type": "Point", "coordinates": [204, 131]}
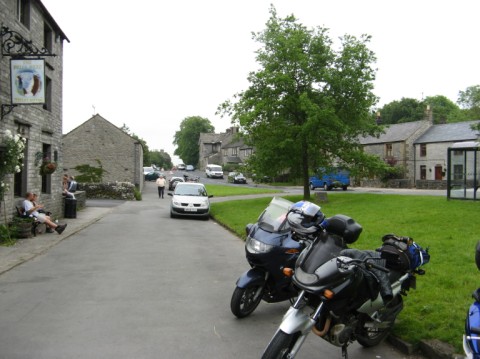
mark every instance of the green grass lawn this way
{"type": "Point", "coordinates": [451, 229]}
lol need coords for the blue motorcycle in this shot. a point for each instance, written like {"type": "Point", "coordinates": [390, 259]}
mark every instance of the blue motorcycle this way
{"type": "Point", "coordinates": [271, 246]}
{"type": "Point", "coordinates": [471, 338]}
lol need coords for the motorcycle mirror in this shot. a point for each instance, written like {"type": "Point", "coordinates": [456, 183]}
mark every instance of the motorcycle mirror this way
{"type": "Point", "coordinates": [477, 255]}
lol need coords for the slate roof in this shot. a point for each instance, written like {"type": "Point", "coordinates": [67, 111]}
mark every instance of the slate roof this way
{"type": "Point", "coordinates": [449, 132]}
{"type": "Point", "coordinates": [394, 133]}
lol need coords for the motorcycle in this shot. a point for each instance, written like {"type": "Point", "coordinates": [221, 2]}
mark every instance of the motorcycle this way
{"type": "Point", "coordinates": [471, 338]}
{"type": "Point", "coordinates": [348, 294]}
{"type": "Point", "coordinates": [270, 247]}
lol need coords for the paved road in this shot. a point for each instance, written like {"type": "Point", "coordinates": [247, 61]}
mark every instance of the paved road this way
{"type": "Point", "coordinates": [137, 284]}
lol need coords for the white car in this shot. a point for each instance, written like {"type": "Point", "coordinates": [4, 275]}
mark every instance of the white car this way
{"type": "Point", "coordinates": [190, 199]}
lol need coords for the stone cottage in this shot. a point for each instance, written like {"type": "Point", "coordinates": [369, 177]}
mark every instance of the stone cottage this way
{"type": "Point", "coordinates": [222, 148]}
{"type": "Point", "coordinates": [97, 142]}
{"type": "Point", "coordinates": [31, 100]}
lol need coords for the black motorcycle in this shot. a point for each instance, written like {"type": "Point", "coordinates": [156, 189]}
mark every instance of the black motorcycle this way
{"type": "Point", "coordinates": [271, 246]}
{"type": "Point", "coordinates": [346, 294]}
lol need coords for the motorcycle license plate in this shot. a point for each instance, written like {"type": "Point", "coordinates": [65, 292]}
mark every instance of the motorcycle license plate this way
{"type": "Point", "coordinates": [188, 209]}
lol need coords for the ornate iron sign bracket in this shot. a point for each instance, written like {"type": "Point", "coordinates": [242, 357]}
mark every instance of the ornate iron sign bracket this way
{"type": "Point", "coordinates": [15, 45]}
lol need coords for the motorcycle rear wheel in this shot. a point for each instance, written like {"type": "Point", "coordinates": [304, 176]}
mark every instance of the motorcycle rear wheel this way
{"type": "Point", "coordinates": [245, 300]}
{"type": "Point", "coordinates": [370, 337]}
{"type": "Point", "coordinates": [280, 346]}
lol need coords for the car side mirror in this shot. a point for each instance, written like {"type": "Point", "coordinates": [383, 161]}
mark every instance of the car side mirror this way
{"type": "Point", "coordinates": [170, 194]}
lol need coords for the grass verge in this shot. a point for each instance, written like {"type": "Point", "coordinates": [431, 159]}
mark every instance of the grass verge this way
{"type": "Point", "coordinates": [451, 229]}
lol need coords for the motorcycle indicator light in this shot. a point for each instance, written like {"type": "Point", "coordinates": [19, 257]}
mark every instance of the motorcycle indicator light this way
{"type": "Point", "coordinates": [328, 294]}
{"type": "Point", "coordinates": [292, 251]}
{"type": "Point", "coordinates": [288, 272]}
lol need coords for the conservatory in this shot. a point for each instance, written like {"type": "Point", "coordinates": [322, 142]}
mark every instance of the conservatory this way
{"type": "Point", "coordinates": [463, 166]}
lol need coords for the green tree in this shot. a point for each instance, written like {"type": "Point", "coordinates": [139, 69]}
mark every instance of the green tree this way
{"type": "Point", "coordinates": [444, 110]}
{"type": "Point", "coordinates": [161, 159]}
{"type": "Point", "coordinates": [469, 100]}
{"type": "Point", "coordinates": [186, 139]}
{"type": "Point", "coordinates": [307, 104]}
{"type": "Point", "coordinates": [405, 110]}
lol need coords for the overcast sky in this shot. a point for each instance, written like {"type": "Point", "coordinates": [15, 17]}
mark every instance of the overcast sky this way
{"type": "Point", "coordinates": [149, 64]}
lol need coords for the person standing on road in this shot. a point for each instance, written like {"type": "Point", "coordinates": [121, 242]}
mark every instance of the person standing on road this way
{"type": "Point", "coordinates": [161, 186]}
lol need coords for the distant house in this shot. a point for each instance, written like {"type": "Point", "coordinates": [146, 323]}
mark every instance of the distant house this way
{"type": "Point", "coordinates": [99, 141]}
{"type": "Point", "coordinates": [222, 148]}
{"type": "Point", "coordinates": [395, 146]}
{"type": "Point", "coordinates": [431, 150]}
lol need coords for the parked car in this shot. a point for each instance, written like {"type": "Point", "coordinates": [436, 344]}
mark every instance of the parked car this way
{"type": "Point", "coordinates": [172, 182]}
{"type": "Point", "coordinates": [181, 167]}
{"type": "Point", "coordinates": [147, 170]}
{"type": "Point", "coordinates": [328, 179]}
{"type": "Point", "coordinates": [152, 176]}
{"type": "Point", "coordinates": [190, 199]}
{"type": "Point", "coordinates": [236, 177]}
{"type": "Point", "coordinates": [190, 168]}
{"type": "Point", "coordinates": [213, 171]}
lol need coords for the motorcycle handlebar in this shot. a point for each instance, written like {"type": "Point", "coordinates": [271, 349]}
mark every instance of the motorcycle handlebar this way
{"type": "Point", "coordinates": [370, 264]}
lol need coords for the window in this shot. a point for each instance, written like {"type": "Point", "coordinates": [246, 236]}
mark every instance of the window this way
{"type": "Point", "coordinates": [423, 172]}
{"type": "Point", "coordinates": [388, 150]}
{"type": "Point", "coordinates": [47, 38]}
{"type": "Point", "coordinates": [23, 12]}
{"type": "Point", "coordinates": [423, 150]}
{"type": "Point", "coordinates": [48, 94]}
{"type": "Point", "coordinates": [458, 172]}
{"type": "Point", "coordinates": [234, 151]}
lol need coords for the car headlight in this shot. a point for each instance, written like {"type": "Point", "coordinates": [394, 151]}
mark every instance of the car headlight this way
{"type": "Point", "coordinates": [255, 246]}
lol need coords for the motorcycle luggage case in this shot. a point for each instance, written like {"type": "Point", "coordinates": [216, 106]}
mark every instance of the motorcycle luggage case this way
{"type": "Point", "coordinates": [344, 227]}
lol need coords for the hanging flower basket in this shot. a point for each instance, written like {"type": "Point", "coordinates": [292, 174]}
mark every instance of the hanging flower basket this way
{"type": "Point", "coordinates": [47, 168]}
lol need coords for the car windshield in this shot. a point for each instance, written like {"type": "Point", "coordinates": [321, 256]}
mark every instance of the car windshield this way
{"type": "Point", "coordinates": [215, 168]}
{"type": "Point", "coordinates": [274, 217]}
{"type": "Point", "coordinates": [190, 190]}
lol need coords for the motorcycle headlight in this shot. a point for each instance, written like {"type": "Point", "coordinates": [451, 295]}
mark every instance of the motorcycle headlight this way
{"type": "Point", "coordinates": [255, 246]}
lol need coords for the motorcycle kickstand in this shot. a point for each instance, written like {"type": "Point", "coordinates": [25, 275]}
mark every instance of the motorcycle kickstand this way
{"type": "Point", "coordinates": [344, 352]}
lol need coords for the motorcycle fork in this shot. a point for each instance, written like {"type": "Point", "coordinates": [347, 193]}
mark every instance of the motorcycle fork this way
{"type": "Point", "coordinates": [304, 333]}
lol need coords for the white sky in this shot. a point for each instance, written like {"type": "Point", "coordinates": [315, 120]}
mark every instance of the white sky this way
{"type": "Point", "coordinates": [153, 63]}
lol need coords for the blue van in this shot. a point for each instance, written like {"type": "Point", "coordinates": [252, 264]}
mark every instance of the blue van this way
{"type": "Point", "coordinates": [335, 178]}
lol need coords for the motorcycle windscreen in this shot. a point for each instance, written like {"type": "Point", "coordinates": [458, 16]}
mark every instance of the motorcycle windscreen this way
{"type": "Point", "coordinates": [325, 248]}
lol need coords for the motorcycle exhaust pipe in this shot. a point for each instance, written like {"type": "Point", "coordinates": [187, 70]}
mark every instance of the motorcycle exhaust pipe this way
{"type": "Point", "coordinates": [325, 329]}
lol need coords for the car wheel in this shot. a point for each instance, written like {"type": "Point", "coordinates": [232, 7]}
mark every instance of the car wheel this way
{"type": "Point", "coordinates": [312, 187]}
{"type": "Point", "coordinates": [325, 187]}
{"type": "Point", "coordinates": [172, 215]}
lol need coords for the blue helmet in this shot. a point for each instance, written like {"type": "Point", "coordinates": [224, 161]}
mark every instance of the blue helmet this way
{"type": "Point", "coordinates": [305, 217]}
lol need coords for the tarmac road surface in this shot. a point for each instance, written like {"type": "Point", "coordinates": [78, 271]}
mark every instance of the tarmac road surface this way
{"type": "Point", "coordinates": [135, 283]}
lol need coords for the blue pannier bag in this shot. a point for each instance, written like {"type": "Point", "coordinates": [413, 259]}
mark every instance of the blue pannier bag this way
{"type": "Point", "coordinates": [402, 253]}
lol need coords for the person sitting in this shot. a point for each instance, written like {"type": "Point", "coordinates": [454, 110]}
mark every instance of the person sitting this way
{"type": "Point", "coordinates": [67, 185]}
{"type": "Point", "coordinates": [41, 206]}
{"type": "Point", "coordinates": [31, 210]}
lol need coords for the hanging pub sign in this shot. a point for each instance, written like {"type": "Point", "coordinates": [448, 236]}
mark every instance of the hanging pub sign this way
{"type": "Point", "coordinates": [27, 81]}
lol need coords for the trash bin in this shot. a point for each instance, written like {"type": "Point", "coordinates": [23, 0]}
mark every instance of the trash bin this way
{"type": "Point", "coordinates": [70, 208]}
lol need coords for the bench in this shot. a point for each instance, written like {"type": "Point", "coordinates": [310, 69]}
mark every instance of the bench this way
{"type": "Point", "coordinates": [35, 222]}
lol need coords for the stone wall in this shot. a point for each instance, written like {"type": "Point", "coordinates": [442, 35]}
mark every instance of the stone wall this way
{"type": "Point", "coordinates": [97, 142]}
{"type": "Point", "coordinates": [40, 125]}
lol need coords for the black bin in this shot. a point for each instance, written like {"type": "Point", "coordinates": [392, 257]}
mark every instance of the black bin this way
{"type": "Point", "coordinates": [70, 208]}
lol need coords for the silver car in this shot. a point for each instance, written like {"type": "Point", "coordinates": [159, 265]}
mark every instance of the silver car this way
{"type": "Point", "coordinates": [190, 199]}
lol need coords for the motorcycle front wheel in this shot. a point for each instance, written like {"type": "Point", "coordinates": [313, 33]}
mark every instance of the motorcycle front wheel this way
{"type": "Point", "coordinates": [245, 300]}
{"type": "Point", "coordinates": [280, 346]}
{"type": "Point", "coordinates": [370, 337]}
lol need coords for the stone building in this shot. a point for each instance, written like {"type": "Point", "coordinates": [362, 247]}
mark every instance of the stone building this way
{"type": "Point", "coordinates": [222, 148]}
{"type": "Point", "coordinates": [29, 33]}
{"type": "Point", "coordinates": [98, 142]}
